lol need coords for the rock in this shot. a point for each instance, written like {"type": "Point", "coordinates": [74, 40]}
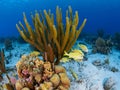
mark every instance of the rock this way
{"type": "Point", "coordinates": [113, 88]}
{"type": "Point", "coordinates": [97, 63]}
{"type": "Point", "coordinates": [114, 69]}
{"type": "Point", "coordinates": [109, 84]}
{"type": "Point", "coordinates": [94, 87]}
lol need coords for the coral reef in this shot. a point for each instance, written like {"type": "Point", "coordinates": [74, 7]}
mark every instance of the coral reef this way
{"type": "Point", "coordinates": [61, 37]}
{"type": "Point", "coordinates": [35, 74]}
{"type": "Point", "coordinates": [2, 62]}
{"type": "Point", "coordinates": [117, 40]}
{"type": "Point", "coordinates": [8, 44]}
{"type": "Point", "coordinates": [102, 46]}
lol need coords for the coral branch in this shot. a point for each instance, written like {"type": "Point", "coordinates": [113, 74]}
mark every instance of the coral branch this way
{"type": "Point", "coordinates": [2, 61]}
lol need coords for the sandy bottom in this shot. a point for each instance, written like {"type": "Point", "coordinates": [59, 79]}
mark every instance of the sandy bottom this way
{"type": "Point", "coordinates": [91, 73]}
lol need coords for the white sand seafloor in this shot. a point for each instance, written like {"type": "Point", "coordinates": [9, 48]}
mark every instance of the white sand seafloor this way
{"type": "Point", "coordinates": [90, 77]}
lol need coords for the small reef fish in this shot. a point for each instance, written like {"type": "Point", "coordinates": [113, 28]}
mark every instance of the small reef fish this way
{"type": "Point", "coordinates": [35, 53]}
{"type": "Point", "coordinates": [83, 47]}
{"type": "Point", "coordinates": [74, 74]}
{"type": "Point", "coordinates": [77, 55]}
{"type": "Point", "coordinates": [65, 59]}
{"type": "Point", "coordinates": [78, 51]}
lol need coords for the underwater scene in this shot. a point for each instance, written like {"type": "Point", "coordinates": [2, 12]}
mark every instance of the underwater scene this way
{"type": "Point", "coordinates": [59, 44]}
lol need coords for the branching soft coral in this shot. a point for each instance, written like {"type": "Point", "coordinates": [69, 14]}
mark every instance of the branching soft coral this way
{"type": "Point", "coordinates": [61, 37]}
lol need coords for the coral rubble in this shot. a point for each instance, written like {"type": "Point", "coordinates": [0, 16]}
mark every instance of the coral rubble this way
{"type": "Point", "coordinates": [61, 37]}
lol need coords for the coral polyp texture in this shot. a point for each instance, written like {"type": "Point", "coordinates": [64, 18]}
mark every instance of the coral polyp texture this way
{"type": "Point", "coordinates": [34, 74]}
{"type": "Point", "coordinates": [47, 31]}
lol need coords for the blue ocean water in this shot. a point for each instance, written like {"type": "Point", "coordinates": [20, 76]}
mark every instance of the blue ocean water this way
{"type": "Point", "coordinates": [103, 14]}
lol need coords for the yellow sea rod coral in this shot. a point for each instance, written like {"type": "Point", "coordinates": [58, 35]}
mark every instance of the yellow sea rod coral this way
{"type": "Point", "coordinates": [60, 36]}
